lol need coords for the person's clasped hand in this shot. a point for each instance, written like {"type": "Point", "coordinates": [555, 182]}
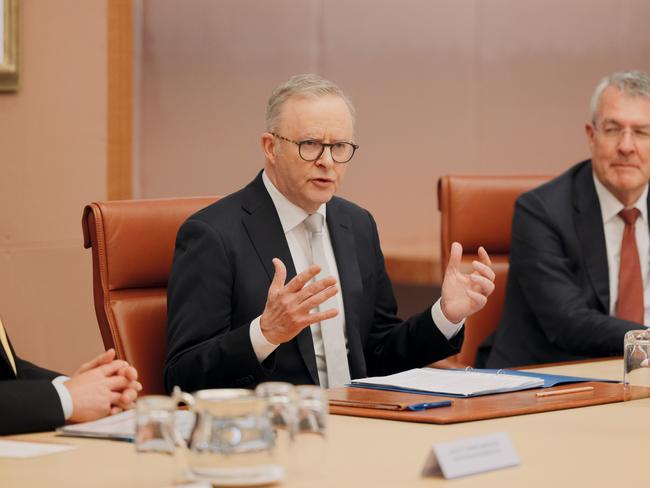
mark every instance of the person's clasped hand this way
{"type": "Point", "coordinates": [102, 386]}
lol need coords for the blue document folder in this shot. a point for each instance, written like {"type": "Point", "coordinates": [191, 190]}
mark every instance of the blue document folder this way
{"type": "Point", "coordinates": [549, 379]}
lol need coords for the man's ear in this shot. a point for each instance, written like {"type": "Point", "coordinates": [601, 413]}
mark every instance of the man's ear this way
{"type": "Point", "coordinates": [268, 146]}
{"type": "Point", "coordinates": [590, 131]}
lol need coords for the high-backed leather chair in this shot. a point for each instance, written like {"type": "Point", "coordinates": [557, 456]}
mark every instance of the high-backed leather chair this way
{"type": "Point", "coordinates": [476, 210]}
{"type": "Point", "coordinates": [132, 247]}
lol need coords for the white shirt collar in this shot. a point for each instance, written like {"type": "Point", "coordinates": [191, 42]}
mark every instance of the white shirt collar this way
{"type": "Point", "coordinates": [610, 206]}
{"type": "Point", "coordinates": [290, 215]}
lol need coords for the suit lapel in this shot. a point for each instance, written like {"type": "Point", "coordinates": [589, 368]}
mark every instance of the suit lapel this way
{"type": "Point", "coordinates": [591, 234]}
{"type": "Point", "coordinates": [261, 221]}
{"type": "Point", "coordinates": [264, 229]}
{"type": "Point", "coordinates": [648, 202]}
{"type": "Point", "coordinates": [343, 244]}
{"type": "Point", "coordinates": [7, 364]}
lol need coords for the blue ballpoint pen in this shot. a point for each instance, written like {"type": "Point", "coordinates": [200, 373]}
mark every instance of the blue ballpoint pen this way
{"type": "Point", "coordinates": [416, 407]}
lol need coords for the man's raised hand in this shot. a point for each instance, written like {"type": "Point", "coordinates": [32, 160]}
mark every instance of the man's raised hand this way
{"type": "Point", "coordinates": [289, 307]}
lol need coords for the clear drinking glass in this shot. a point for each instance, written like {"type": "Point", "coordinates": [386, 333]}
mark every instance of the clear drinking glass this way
{"type": "Point", "coordinates": [312, 409]}
{"type": "Point", "coordinates": [636, 359]}
{"type": "Point", "coordinates": [281, 408]}
{"type": "Point", "coordinates": [154, 424]}
{"type": "Point", "coordinates": [156, 433]}
{"type": "Point", "coordinates": [281, 404]}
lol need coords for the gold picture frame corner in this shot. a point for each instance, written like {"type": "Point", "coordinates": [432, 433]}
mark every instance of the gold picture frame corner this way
{"type": "Point", "coordinates": [9, 67]}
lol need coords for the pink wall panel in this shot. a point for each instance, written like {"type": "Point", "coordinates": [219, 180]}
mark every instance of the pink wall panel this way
{"type": "Point", "coordinates": [440, 86]}
{"type": "Point", "coordinates": [207, 70]}
{"type": "Point", "coordinates": [409, 70]}
{"type": "Point", "coordinates": [52, 162]}
{"type": "Point", "coordinates": [539, 62]}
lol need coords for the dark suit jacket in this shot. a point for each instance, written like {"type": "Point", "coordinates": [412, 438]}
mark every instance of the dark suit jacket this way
{"type": "Point", "coordinates": [219, 283]}
{"type": "Point", "coordinates": [28, 401]}
{"type": "Point", "coordinates": [557, 298]}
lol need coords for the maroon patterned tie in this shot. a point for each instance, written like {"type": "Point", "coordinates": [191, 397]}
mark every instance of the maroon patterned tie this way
{"type": "Point", "coordinates": [629, 305]}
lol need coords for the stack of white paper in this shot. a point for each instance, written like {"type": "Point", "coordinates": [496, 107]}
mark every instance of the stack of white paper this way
{"type": "Point", "coordinates": [122, 426]}
{"type": "Point", "coordinates": [448, 382]}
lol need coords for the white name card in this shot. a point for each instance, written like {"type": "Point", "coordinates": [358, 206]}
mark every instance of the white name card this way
{"type": "Point", "coordinates": [20, 449]}
{"type": "Point", "coordinates": [470, 456]}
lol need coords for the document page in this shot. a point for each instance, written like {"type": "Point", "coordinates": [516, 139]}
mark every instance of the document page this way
{"type": "Point", "coordinates": [21, 449]}
{"type": "Point", "coordinates": [122, 426]}
{"type": "Point", "coordinates": [459, 383]}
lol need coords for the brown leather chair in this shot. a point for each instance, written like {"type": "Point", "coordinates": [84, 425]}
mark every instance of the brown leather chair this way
{"type": "Point", "coordinates": [477, 211]}
{"type": "Point", "coordinates": [132, 247]}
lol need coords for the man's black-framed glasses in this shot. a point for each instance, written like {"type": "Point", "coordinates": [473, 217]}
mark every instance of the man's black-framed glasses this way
{"type": "Point", "coordinates": [311, 150]}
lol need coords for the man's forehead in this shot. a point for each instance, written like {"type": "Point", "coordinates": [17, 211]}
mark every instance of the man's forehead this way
{"type": "Point", "coordinates": [315, 109]}
{"type": "Point", "coordinates": [614, 121]}
{"type": "Point", "coordinates": [308, 100]}
{"type": "Point", "coordinates": [619, 107]}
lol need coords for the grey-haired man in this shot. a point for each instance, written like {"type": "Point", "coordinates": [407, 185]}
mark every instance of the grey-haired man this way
{"type": "Point", "coordinates": [235, 321]}
{"type": "Point", "coordinates": [580, 248]}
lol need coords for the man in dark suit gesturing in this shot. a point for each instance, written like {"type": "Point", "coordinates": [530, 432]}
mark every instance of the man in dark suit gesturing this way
{"type": "Point", "coordinates": [235, 321]}
{"type": "Point", "coordinates": [580, 249]}
{"type": "Point", "coordinates": [36, 399]}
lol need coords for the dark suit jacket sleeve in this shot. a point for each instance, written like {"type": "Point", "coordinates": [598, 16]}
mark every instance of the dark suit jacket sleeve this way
{"type": "Point", "coordinates": [394, 345]}
{"type": "Point", "coordinates": [29, 403]}
{"type": "Point", "coordinates": [29, 371]}
{"type": "Point", "coordinates": [204, 348]}
{"type": "Point", "coordinates": [29, 406]}
{"type": "Point", "coordinates": [552, 287]}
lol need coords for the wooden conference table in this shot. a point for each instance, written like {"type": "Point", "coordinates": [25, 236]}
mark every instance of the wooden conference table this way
{"type": "Point", "coordinates": [605, 445]}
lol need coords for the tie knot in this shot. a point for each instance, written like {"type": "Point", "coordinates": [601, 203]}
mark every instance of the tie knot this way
{"type": "Point", "coordinates": [629, 215]}
{"type": "Point", "coordinates": [314, 223]}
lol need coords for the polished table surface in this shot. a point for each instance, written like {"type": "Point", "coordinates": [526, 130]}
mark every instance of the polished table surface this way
{"type": "Point", "coordinates": [604, 445]}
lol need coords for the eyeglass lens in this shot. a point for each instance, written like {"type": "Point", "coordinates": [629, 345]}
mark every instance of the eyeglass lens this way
{"type": "Point", "coordinates": [341, 152]}
{"type": "Point", "coordinates": [616, 133]}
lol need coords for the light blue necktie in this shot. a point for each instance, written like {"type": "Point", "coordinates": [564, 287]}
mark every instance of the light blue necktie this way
{"type": "Point", "coordinates": [336, 357]}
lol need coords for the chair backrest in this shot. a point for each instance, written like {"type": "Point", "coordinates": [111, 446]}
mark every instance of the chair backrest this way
{"type": "Point", "coordinates": [477, 211]}
{"type": "Point", "coordinates": [132, 247]}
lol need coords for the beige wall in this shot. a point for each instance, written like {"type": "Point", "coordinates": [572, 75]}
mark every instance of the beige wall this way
{"type": "Point", "coordinates": [440, 86]}
{"type": "Point", "coordinates": [52, 162]}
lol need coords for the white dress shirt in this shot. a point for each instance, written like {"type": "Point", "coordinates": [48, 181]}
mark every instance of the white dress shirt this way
{"type": "Point", "coordinates": [64, 395]}
{"type": "Point", "coordinates": [614, 226]}
{"type": "Point", "coordinates": [291, 218]}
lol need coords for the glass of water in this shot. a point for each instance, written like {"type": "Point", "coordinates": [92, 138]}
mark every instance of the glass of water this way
{"type": "Point", "coordinates": [280, 397]}
{"type": "Point", "coordinates": [156, 433]}
{"type": "Point", "coordinates": [281, 408]}
{"type": "Point", "coordinates": [636, 359]}
{"type": "Point", "coordinates": [154, 424]}
{"type": "Point", "coordinates": [312, 410]}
